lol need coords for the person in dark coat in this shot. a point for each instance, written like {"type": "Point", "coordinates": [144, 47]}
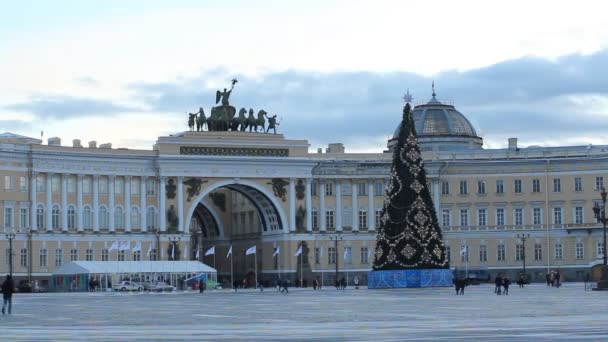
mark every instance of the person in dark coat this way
{"type": "Point", "coordinates": [8, 288]}
{"type": "Point", "coordinates": [343, 283]}
{"type": "Point", "coordinates": [521, 280]}
{"type": "Point", "coordinates": [235, 285]}
{"type": "Point", "coordinates": [497, 284]}
{"type": "Point", "coordinates": [505, 284]}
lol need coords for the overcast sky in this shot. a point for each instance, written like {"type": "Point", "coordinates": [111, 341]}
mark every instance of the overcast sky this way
{"type": "Point", "coordinates": [127, 72]}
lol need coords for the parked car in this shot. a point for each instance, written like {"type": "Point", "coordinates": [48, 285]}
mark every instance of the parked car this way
{"type": "Point", "coordinates": [159, 287]}
{"type": "Point", "coordinates": [128, 286]}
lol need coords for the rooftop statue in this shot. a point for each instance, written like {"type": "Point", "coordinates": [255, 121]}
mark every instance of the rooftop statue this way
{"type": "Point", "coordinates": [225, 95]}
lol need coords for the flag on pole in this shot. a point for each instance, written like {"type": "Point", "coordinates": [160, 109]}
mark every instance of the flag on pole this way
{"type": "Point", "coordinates": [346, 250]}
{"type": "Point", "coordinates": [229, 252]}
{"type": "Point", "coordinates": [173, 252]}
{"type": "Point", "coordinates": [137, 247]}
{"type": "Point", "coordinates": [250, 250]}
{"type": "Point", "coordinates": [149, 250]}
{"type": "Point", "coordinates": [277, 251]}
{"type": "Point", "coordinates": [210, 251]}
{"type": "Point", "coordinates": [463, 250]}
{"type": "Point", "coordinates": [299, 251]}
{"type": "Point", "coordinates": [114, 246]}
{"type": "Point", "coordinates": [197, 254]}
{"type": "Point", "coordinates": [125, 246]}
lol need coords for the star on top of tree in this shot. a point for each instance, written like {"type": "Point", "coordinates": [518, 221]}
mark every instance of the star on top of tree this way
{"type": "Point", "coordinates": [407, 97]}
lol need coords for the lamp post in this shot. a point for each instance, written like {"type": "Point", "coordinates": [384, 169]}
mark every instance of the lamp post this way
{"type": "Point", "coordinates": [10, 236]}
{"type": "Point", "coordinates": [174, 240]}
{"type": "Point", "coordinates": [600, 215]}
{"type": "Point", "coordinates": [335, 238]}
{"type": "Point", "coordinates": [523, 238]}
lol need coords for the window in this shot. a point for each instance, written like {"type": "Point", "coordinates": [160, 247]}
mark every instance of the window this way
{"type": "Point", "coordinates": [86, 185]}
{"type": "Point", "coordinates": [483, 253]}
{"type": "Point", "coordinates": [557, 215]}
{"type": "Point", "coordinates": [600, 249]}
{"type": "Point", "coordinates": [329, 218]}
{"type": "Point", "coordinates": [500, 216]}
{"type": "Point", "coordinates": [40, 183]}
{"type": "Point", "coordinates": [580, 251]}
{"type": "Point", "coordinates": [137, 256]}
{"type": "Point", "coordinates": [346, 189]}
{"type": "Point", "coordinates": [151, 187]}
{"type": "Point", "coordinates": [121, 255]}
{"type": "Point", "coordinates": [135, 218]}
{"type": "Point", "coordinates": [557, 185]}
{"type": "Point", "coordinates": [464, 217]}
{"type": "Point", "coordinates": [519, 252]}
{"type": "Point", "coordinates": [73, 254]}
{"type": "Point", "coordinates": [58, 257]}
{"type": "Point", "coordinates": [40, 216]}
{"type": "Point", "coordinates": [559, 251]}
{"type": "Point", "coordinates": [103, 185]}
{"type": "Point", "coordinates": [578, 215]}
{"type": "Point", "coordinates": [481, 187]}
{"type": "Point", "coordinates": [331, 255]}
{"type": "Point", "coordinates": [153, 254]}
{"type": "Point", "coordinates": [378, 218]}
{"type": "Point", "coordinates": [578, 184]}
{"type": "Point", "coordinates": [500, 252]}
{"type": "Point", "coordinates": [536, 185]}
{"type": "Point", "coordinates": [379, 188]}
{"type": "Point", "coordinates": [517, 186]}
{"type": "Point", "coordinates": [482, 217]}
{"type": "Point", "coordinates": [518, 215]}
{"type": "Point", "coordinates": [55, 217]}
{"type": "Point", "coordinates": [599, 183]}
{"type": "Point", "coordinates": [537, 217]}
{"type": "Point", "coordinates": [538, 252]}
{"type": "Point", "coordinates": [315, 218]}
{"type": "Point", "coordinates": [8, 217]}
{"type": "Point", "coordinates": [329, 189]}
{"type": "Point", "coordinates": [55, 183]}
{"type": "Point", "coordinates": [71, 217]}
{"type": "Point", "coordinates": [348, 255]}
{"type": "Point", "coordinates": [7, 183]}
{"type": "Point", "coordinates": [89, 255]}
{"type": "Point", "coordinates": [87, 217]}
{"type": "Point", "coordinates": [135, 186]}
{"type": "Point", "coordinates": [317, 256]}
{"type": "Point", "coordinates": [362, 189]}
{"type": "Point", "coordinates": [43, 258]}
{"type": "Point", "coordinates": [151, 218]}
{"type": "Point", "coordinates": [347, 217]}
{"type": "Point", "coordinates": [119, 221]}
{"type": "Point", "coordinates": [445, 217]}
{"type": "Point", "coordinates": [463, 187]}
{"type": "Point", "coordinates": [362, 218]}
{"type": "Point", "coordinates": [313, 188]}
{"type": "Point", "coordinates": [71, 184]}
{"type": "Point", "coordinates": [103, 218]}
{"type": "Point", "coordinates": [448, 253]}
{"type": "Point", "coordinates": [500, 186]}
{"type": "Point", "coordinates": [105, 254]}
{"type": "Point", "coordinates": [364, 255]}
{"type": "Point", "coordinates": [23, 217]}
{"type": "Point", "coordinates": [23, 184]}
{"type": "Point", "coordinates": [23, 258]}
{"type": "Point", "coordinates": [464, 257]}
{"type": "Point", "coordinates": [445, 188]}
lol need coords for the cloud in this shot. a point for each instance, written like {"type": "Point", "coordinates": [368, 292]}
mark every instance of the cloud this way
{"type": "Point", "coordinates": [14, 125]}
{"type": "Point", "coordinates": [64, 107]}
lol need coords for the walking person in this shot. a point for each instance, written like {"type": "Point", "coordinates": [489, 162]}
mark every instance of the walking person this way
{"type": "Point", "coordinates": [558, 279]}
{"type": "Point", "coordinates": [497, 284]}
{"type": "Point", "coordinates": [343, 283]}
{"type": "Point", "coordinates": [260, 285]}
{"type": "Point", "coordinates": [505, 284]}
{"type": "Point", "coordinates": [356, 281]}
{"type": "Point", "coordinates": [548, 279]}
{"type": "Point", "coordinates": [521, 281]}
{"type": "Point", "coordinates": [235, 285]}
{"type": "Point", "coordinates": [8, 288]}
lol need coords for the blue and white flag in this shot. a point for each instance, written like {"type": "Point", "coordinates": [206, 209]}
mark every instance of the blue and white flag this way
{"type": "Point", "coordinates": [277, 251]}
{"type": "Point", "coordinates": [137, 247]}
{"type": "Point", "coordinates": [299, 251]}
{"type": "Point", "coordinates": [210, 251]}
{"type": "Point", "coordinates": [229, 252]}
{"type": "Point", "coordinates": [149, 250]}
{"type": "Point", "coordinates": [250, 250]}
{"type": "Point", "coordinates": [114, 246]}
{"type": "Point", "coordinates": [464, 250]}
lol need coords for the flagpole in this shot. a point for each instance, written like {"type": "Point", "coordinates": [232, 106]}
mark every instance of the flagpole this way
{"type": "Point", "coordinates": [231, 275]}
{"type": "Point", "coordinates": [301, 267]}
{"type": "Point", "coordinates": [256, 268]}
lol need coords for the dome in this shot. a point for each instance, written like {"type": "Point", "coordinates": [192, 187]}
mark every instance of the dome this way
{"type": "Point", "coordinates": [441, 127]}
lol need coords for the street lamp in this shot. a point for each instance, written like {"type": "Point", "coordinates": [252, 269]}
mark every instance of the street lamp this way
{"type": "Point", "coordinates": [10, 236]}
{"type": "Point", "coordinates": [523, 238]}
{"type": "Point", "coordinates": [174, 240]}
{"type": "Point", "coordinates": [600, 215]}
{"type": "Point", "coordinates": [335, 238]}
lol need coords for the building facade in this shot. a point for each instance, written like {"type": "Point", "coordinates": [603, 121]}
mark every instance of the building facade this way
{"type": "Point", "coordinates": [234, 190]}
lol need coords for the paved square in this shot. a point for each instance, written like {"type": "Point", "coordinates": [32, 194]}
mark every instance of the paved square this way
{"type": "Point", "coordinates": [533, 313]}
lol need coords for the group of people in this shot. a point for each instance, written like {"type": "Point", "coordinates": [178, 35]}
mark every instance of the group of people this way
{"type": "Point", "coordinates": [341, 284]}
{"type": "Point", "coordinates": [553, 279]}
{"type": "Point", "coordinates": [93, 285]}
{"type": "Point", "coordinates": [501, 285]}
{"type": "Point", "coordinates": [459, 285]}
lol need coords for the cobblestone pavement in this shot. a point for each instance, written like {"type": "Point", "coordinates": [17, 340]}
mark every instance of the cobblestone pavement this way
{"type": "Point", "coordinates": [536, 312]}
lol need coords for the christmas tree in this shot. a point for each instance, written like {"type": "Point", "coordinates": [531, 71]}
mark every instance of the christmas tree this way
{"type": "Point", "coordinates": [409, 236]}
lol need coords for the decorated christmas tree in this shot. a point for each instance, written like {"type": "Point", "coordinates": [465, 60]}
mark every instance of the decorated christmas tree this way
{"type": "Point", "coordinates": [409, 236]}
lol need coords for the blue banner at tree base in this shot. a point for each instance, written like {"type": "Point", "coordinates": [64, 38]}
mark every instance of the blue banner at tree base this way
{"type": "Point", "coordinates": [409, 278]}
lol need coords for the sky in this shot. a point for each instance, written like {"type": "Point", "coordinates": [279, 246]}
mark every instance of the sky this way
{"type": "Point", "coordinates": [127, 72]}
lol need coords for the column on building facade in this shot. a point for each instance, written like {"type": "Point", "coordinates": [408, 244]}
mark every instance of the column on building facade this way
{"type": "Point", "coordinates": [338, 205]}
{"type": "Point", "coordinates": [142, 204]}
{"type": "Point", "coordinates": [64, 202]}
{"type": "Point", "coordinates": [180, 204]}
{"type": "Point", "coordinates": [49, 202]}
{"type": "Point", "coordinates": [162, 221]}
{"type": "Point", "coordinates": [111, 203]}
{"type": "Point", "coordinates": [96, 203]}
{"type": "Point", "coordinates": [436, 196]}
{"type": "Point", "coordinates": [308, 205]}
{"type": "Point", "coordinates": [292, 204]}
{"type": "Point", "coordinates": [33, 203]}
{"type": "Point", "coordinates": [127, 210]}
{"type": "Point", "coordinates": [79, 207]}
{"type": "Point", "coordinates": [371, 210]}
{"type": "Point", "coordinates": [355, 206]}
{"type": "Point", "coordinates": [322, 223]}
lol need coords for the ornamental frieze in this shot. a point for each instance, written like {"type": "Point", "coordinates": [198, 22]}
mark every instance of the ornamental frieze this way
{"type": "Point", "coordinates": [234, 151]}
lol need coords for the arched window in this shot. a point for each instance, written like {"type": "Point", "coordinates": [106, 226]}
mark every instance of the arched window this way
{"type": "Point", "coordinates": [86, 217]}
{"type": "Point", "coordinates": [71, 217]}
{"type": "Point", "coordinates": [151, 218]}
{"type": "Point", "coordinates": [119, 221]}
{"type": "Point", "coordinates": [40, 216]}
{"type": "Point", "coordinates": [55, 217]}
{"type": "Point", "coordinates": [134, 218]}
{"type": "Point", "coordinates": [103, 218]}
